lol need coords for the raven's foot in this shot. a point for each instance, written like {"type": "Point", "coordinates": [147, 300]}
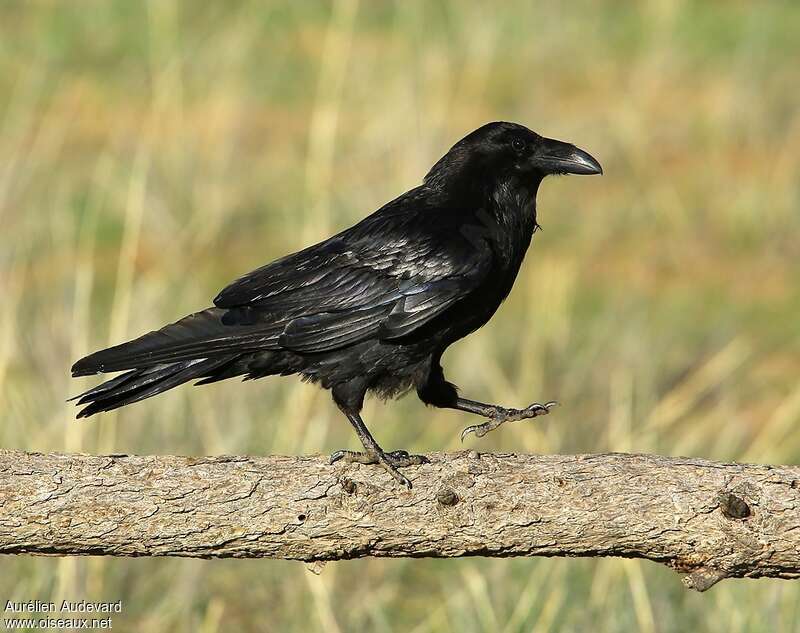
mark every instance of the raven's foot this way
{"type": "Point", "coordinates": [390, 461]}
{"type": "Point", "coordinates": [501, 415]}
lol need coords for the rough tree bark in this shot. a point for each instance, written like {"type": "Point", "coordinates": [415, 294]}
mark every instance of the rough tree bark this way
{"type": "Point", "coordinates": [705, 519]}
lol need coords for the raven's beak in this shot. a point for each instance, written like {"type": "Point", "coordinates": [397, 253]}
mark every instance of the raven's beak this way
{"type": "Point", "coordinates": [557, 157]}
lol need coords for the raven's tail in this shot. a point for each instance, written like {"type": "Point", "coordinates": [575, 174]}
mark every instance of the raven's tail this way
{"type": "Point", "coordinates": [210, 345]}
{"type": "Point", "coordinates": [138, 384]}
{"type": "Point", "coordinates": [211, 333]}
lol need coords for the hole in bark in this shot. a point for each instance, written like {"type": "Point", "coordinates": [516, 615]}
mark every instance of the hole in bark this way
{"type": "Point", "coordinates": [733, 507]}
{"type": "Point", "coordinates": [447, 497]}
{"type": "Point", "coordinates": [301, 517]}
{"type": "Point", "coordinates": [349, 486]}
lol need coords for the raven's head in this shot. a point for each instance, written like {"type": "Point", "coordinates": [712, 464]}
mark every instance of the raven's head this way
{"type": "Point", "coordinates": [499, 151]}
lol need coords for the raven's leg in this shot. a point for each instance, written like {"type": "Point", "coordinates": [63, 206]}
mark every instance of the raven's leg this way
{"type": "Point", "coordinates": [498, 415]}
{"type": "Point", "coordinates": [350, 404]}
{"type": "Point", "coordinates": [437, 392]}
{"type": "Point", "coordinates": [374, 454]}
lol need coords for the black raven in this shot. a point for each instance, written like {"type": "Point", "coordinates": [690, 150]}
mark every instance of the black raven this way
{"type": "Point", "coordinates": [374, 307]}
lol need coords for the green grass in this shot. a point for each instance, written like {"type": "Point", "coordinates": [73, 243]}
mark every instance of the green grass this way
{"type": "Point", "coordinates": [150, 152]}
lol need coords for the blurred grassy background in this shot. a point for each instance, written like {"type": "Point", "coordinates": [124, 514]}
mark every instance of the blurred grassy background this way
{"type": "Point", "coordinates": [150, 152]}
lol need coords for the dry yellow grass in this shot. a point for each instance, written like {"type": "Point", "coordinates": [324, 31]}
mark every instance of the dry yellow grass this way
{"type": "Point", "coordinates": [150, 152]}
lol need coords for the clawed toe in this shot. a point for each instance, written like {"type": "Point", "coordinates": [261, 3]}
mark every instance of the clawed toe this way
{"type": "Point", "coordinates": [536, 409]}
{"type": "Point", "coordinates": [531, 411]}
{"type": "Point", "coordinates": [402, 458]}
{"type": "Point", "coordinates": [350, 457]}
{"type": "Point", "coordinates": [478, 429]}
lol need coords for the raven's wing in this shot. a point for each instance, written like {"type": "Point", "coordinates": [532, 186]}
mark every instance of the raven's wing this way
{"type": "Point", "coordinates": [384, 278]}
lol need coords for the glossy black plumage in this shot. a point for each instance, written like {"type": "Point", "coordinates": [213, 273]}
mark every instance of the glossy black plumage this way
{"type": "Point", "coordinates": [374, 307]}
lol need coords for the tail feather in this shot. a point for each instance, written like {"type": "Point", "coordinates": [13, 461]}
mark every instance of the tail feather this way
{"type": "Point", "coordinates": [210, 345]}
{"type": "Point", "coordinates": [128, 381]}
{"type": "Point", "coordinates": [140, 384]}
{"type": "Point", "coordinates": [212, 333]}
{"type": "Point", "coordinates": [106, 386]}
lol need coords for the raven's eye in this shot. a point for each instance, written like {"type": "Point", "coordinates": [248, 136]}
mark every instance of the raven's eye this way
{"type": "Point", "coordinates": [518, 144]}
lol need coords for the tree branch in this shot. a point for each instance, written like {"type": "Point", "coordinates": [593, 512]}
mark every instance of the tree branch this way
{"type": "Point", "coordinates": [705, 519]}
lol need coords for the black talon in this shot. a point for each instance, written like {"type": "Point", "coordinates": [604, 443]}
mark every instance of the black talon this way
{"type": "Point", "coordinates": [499, 416]}
{"type": "Point", "coordinates": [390, 461]}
